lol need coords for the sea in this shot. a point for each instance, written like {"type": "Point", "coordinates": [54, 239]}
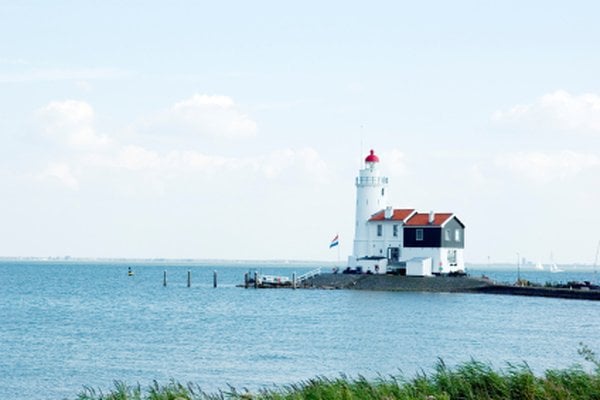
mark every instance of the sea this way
{"type": "Point", "coordinates": [67, 324]}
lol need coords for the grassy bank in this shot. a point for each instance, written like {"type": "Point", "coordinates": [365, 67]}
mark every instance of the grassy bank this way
{"type": "Point", "coordinates": [471, 380]}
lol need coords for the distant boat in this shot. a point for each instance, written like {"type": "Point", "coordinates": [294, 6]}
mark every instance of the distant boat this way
{"type": "Point", "coordinates": [554, 268]}
{"type": "Point", "coordinates": [539, 266]}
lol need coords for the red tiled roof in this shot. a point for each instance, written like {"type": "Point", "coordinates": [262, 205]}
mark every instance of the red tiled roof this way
{"type": "Point", "coordinates": [398, 215]}
{"type": "Point", "coordinates": [422, 219]}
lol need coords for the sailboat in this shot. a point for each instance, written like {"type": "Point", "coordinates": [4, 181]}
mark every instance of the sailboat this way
{"type": "Point", "coordinates": [539, 266]}
{"type": "Point", "coordinates": [553, 266]}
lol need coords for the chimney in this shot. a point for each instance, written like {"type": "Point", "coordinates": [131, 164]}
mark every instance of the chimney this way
{"type": "Point", "coordinates": [388, 212]}
{"type": "Point", "coordinates": [431, 217]}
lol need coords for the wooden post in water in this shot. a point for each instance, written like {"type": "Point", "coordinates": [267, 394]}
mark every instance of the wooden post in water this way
{"type": "Point", "coordinates": [246, 280]}
{"type": "Point", "coordinates": [214, 279]}
{"type": "Point", "coordinates": [189, 278]}
{"type": "Point", "coordinates": [165, 278]}
{"type": "Point", "coordinates": [255, 279]}
{"type": "Point", "coordinates": [294, 280]}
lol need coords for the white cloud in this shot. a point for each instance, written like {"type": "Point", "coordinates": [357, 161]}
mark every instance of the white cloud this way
{"type": "Point", "coordinates": [476, 175]}
{"type": "Point", "coordinates": [71, 122]}
{"type": "Point", "coordinates": [169, 164]}
{"type": "Point", "coordinates": [60, 172]}
{"type": "Point", "coordinates": [546, 167]}
{"type": "Point", "coordinates": [395, 161]}
{"type": "Point", "coordinates": [204, 100]}
{"type": "Point", "coordinates": [137, 158]}
{"type": "Point", "coordinates": [303, 163]}
{"type": "Point", "coordinates": [296, 162]}
{"type": "Point", "coordinates": [559, 110]}
{"type": "Point", "coordinates": [204, 115]}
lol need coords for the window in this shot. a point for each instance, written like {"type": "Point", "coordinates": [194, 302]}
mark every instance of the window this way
{"type": "Point", "coordinates": [447, 234]}
{"type": "Point", "coordinates": [394, 254]}
{"type": "Point", "coordinates": [395, 231]}
{"type": "Point", "coordinates": [379, 230]}
{"type": "Point", "coordinates": [457, 235]}
{"type": "Point", "coordinates": [419, 234]}
{"type": "Point", "coordinates": [452, 257]}
{"type": "Point", "coordinates": [382, 191]}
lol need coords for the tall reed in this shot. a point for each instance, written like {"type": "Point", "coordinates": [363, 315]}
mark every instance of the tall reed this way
{"type": "Point", "coordinates": [472, 380]}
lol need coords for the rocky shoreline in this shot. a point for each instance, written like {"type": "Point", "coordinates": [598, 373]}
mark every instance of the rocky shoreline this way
{"type": "Point", "coordinates": [439, 284]}
{"type": "Point", "coordinates": [396, 283]}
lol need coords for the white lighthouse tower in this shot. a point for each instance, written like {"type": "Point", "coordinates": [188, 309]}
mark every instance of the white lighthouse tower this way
{"type": "Point", "coordinates": [371, 197]}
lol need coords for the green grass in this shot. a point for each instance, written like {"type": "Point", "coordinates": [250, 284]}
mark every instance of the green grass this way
{"type": "Point", "coordinates": [472, 380]}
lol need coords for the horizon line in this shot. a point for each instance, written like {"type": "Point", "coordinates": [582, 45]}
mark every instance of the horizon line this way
{"type": "Point", "coordinates": [246, 261]}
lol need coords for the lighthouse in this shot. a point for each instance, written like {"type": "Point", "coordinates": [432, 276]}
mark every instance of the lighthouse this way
{"type": "Point", "coordinates": [371, 196]}
{"type": "Point", "coordinates": [401, 241]}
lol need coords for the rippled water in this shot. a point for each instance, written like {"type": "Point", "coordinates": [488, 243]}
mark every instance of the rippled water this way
{"type": "Point", "coordinates": [65, 325]}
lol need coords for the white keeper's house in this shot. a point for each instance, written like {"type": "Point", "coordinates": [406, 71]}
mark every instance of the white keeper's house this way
{"type": "Point", "coordinates": [403, 241]}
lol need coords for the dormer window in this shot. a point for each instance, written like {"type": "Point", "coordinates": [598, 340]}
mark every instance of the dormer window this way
{"type": "Point", "coordinates": [419, 234]}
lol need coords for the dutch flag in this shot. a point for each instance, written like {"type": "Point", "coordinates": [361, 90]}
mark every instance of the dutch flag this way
{"type": "Point", "coordinates": [334, 242]}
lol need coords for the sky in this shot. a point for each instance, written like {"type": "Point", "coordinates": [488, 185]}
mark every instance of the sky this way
{"type": "Point", "coordinates": [234, 129]}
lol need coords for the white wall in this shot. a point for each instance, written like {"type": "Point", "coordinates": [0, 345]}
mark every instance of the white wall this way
{"type": "Point", "coordinates": [418, 252]}
{"type": "Point", "coordinates": [369, 265]}
{"type": "Point", "coordinates": [378, 245]}
{"type": "Point", "coordinates": [419, 267]}
{"type": "Point", "coordinates": [439, 258]}
{"type": "Point", "coordinates": [369, 200]}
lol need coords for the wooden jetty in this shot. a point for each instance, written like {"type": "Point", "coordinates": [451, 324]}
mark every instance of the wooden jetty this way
{"type": "Point", "coordinates": [260, 281]}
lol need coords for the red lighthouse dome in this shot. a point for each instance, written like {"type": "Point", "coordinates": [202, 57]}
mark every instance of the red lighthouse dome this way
{"type": "Point", "coordinates": [372, 158]}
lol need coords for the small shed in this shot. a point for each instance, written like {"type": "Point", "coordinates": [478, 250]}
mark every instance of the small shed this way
{"type": "Point", "coordinates": [418, 266]}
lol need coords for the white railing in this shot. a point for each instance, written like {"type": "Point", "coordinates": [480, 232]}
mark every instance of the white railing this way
{"type": "Point", "coordinates": [308, 275]}
{"type": "Point", "coordinates": [371, 180]}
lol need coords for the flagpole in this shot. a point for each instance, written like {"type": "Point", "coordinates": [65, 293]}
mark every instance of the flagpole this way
{"type": "Point", "coordinates": [336, 243]}
{"type": "Point", "coordinates": [338, 249]}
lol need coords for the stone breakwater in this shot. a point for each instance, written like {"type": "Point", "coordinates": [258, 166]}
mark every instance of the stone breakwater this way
{"type": "Point", "coordinates": [440, 284]}
{"type": "Point", "coordinates": [397, 283]}
{"type": "Point", "coordinates": [581, 294]}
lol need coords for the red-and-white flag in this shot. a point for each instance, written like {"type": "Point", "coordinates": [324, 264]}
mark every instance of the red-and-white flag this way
{"type": "Point", "coordinates": [334, 242]}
